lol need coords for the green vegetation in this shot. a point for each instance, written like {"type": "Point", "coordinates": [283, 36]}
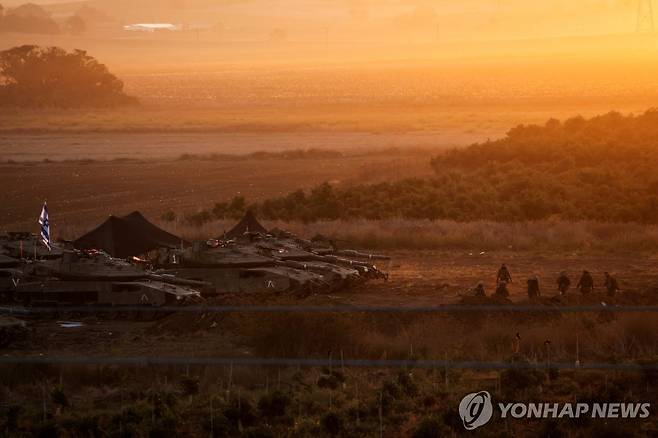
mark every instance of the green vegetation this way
{"type": "Point", "coordinates": [43, 77]}
{"type": "Point", "coordinates": [601, 169]}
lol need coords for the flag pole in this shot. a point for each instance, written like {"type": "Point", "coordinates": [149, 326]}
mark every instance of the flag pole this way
{"type": "Point", "coordinates": [44, 225]}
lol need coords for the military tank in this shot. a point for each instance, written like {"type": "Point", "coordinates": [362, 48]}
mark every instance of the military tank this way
{"type": "Point", "coordinates": [102, 267]}
{"type": "Point", "coordinates": [248, 261]}
{"type": "Point", "coordinates": [65, 276]}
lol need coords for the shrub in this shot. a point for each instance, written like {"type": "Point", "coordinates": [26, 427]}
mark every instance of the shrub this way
{"type": "Point", "coordinates": [58, 397]}
{"type": "Point", "coordinates": [189, 385]}
{"type": "Point", "coordinates": [332, 423]}
{"type": "Point", "coordinates": [273, 405]}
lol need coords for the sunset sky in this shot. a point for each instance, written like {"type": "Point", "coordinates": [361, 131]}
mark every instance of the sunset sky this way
{"type": "Point", "coordinates": [483, 48]}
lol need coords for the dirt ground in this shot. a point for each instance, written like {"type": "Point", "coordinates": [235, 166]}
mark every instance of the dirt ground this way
{"type": "Point", "coordinates": [426, 278]}
{"type": "Point", "coordinates": [415, 279]}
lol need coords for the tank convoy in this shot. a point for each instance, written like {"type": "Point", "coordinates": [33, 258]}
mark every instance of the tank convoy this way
{"type": "Point", "coordinates": [274, 261]}
{"type": "Point", "coordinates": [170, 271]}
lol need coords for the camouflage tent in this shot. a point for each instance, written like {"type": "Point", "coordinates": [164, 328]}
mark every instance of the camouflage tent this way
{"type": "Point", "coordinates": [127, 236]}
{"type": "Point", "coordinates": [248, 223]}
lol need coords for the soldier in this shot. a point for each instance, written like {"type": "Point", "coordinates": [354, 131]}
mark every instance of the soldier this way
{"type": "Point", "coordinates": [611, 284]}
{"type": "Point", "coordinates": [501, 290]}
{"type": "Point", "coordinates": [586, 283]}
{"type": "Point", "coordinates": [503, 275]}
{"type": "Point", "coordinates": [479, 290]}
{"type": "Point", "coordinates": [563, 283]}
{"type": "Point", "coordinates": [533, 287]}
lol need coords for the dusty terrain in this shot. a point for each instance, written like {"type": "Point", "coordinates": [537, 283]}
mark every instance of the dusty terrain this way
{"type": "Point", "coordinates": [416, 279]}
{"type": "Point", "coordinates": [82, 193]}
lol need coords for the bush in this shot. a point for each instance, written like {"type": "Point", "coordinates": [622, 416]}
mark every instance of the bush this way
{"type": "Point", "coordinates": [273, 405]}
{"type": "Point", "coordinates": [58, 397]}
{"type": "Point", "coordinates": [331, 379]}
{"type": "Point", "coordinates": [239, 412]}
{"type": "Point", "coordinates": [86, 426]}
{"type": "Point", "coordinates": [189, 385]}
{"type": "Point", "coordinates": [516, 381]}
{"type": "Point", "coordinates": [332, 423]}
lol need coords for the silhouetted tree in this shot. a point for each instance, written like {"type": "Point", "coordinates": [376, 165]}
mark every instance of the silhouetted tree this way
{"type": "Point", "coordinates": [28, 18]}
{"type": "Point", "coordinates": [33, 76]}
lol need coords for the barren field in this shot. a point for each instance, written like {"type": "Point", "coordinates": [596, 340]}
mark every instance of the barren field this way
{"type": "Point", "coordinates": [82, 193]}
{"type": "Point", "coordinates": [60, 146]}
{"type": "Point", "coordinates": [416, 279]}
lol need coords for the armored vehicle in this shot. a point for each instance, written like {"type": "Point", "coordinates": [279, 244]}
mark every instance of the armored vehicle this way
{"type": "Point", "coordinates": [73, 277]}
{"type": "Point", "coordinates": [244, 260]}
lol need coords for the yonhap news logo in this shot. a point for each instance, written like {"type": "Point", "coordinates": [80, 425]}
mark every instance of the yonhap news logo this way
{"type": "Point", "coordinates": [477, 409]}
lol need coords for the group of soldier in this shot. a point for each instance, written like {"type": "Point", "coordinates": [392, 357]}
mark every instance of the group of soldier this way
{"type": "Point", "coordinates": [585, 284]}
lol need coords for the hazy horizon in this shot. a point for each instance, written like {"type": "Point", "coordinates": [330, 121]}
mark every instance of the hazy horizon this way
{"type": "Point", "coordinates": [428, 20]}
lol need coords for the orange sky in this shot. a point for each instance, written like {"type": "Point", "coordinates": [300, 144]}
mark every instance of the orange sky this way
{"type": "Point", "coordinates": [551, 47]}
{"type": "Point", "coordinates": [446, 20]}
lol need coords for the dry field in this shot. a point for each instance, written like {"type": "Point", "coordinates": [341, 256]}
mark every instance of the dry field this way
{"type": "Point", "coordinates": [344, 105]}
{"type": "Point", "coordinates": [60, 146]}
{"type": "Point", "coordinates": [82, 193]}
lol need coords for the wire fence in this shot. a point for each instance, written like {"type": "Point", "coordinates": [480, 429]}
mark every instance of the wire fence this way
{"type": "Point", "coordinates": [314, 362]}
{"type": "Point", "coordinates": [448, 308]}
{"type": "Point", "coordinates": [138, 361]}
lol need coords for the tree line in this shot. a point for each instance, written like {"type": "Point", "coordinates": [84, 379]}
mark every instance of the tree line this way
{"type": "Point", "coordinates": [601, 169]}
{"type": "Point", "coordinates": [33, 19]}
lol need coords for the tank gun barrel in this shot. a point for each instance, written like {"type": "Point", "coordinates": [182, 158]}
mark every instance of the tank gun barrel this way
{"type": "Point", "coordinates": [171, 279]}
{"type": "Point", "coordinates": [354, 253]}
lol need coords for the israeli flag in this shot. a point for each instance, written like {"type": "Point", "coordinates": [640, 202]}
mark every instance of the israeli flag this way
{"type": "Point", "coordinates": [45, 226]}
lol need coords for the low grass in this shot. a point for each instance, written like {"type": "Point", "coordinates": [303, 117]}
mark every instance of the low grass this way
{"type": "Point", "coordinates": [391, 234]}
{"type": "Point", "coordinates": [344, 401]}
